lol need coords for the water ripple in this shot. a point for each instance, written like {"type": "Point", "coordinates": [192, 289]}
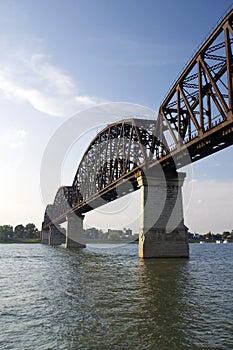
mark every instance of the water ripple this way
{"type": "Point", "coordinates": [52, 298]}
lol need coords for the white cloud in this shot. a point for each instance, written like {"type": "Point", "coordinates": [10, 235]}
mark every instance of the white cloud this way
{"type": "Point", "coordinates": [33, 79]}
{"type": "Point", "coordinates": [86, 100]}
{"type": "Point", "coordinates": [52, 76]}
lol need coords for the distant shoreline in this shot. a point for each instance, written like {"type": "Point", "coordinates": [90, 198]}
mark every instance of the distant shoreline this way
{"type": "Point", "coordinates": [33, 240]}
{"type": "Point", "coordinates": [36, 241]}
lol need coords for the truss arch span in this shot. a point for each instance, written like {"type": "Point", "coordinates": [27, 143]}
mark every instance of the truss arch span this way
{"type": "Point", "coordinates": [62, 201]}
{"type": "Point", "coordinates": [116, 154]}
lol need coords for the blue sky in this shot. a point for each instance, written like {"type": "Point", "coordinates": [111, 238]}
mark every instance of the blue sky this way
{"type": "Point", "coordinates": [59, 57]}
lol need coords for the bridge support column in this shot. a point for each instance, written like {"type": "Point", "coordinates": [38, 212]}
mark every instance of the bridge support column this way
{"type": "Point", "coordinates": [55, 236]}
{"type": "Point", "coordinates": [74, 232]}
{"type": "Point", "coordinates": [162, 231]}
{"type": "Point", "coordinates": [44, 236]}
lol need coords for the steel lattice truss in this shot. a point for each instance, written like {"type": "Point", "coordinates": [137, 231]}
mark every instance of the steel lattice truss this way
{"type": "Point", "coordinates": [62, 204]}
{"type": "Point", "coordinates": [194, 120]}
{"type": "Point", "coordinates": [62, 201]}
{"type": "Point", "coordinates": [48, 215]}
{"type": "Point", "coordinates": [200, 102]}
{"type": "Point", "coordinates": [117, 151]}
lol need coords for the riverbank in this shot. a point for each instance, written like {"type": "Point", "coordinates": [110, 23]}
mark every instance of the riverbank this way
{"type": "Point", "coordinates": [21, 240]}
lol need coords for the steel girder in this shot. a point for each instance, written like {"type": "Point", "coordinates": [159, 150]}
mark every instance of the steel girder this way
{"type": "Point", "coordinates": [63, 201]}
{"type": "Point", "coordinates": [48, 216]}
{"type": "Point", "coordinates": [115, 154]}
{"type": "Point", "coordinates": [194, 120]}
{"type": "Point", "coordinates": [197, 113]}
{"type": "Point", "coordinates": [112, 158]}
{"type": "Point", "coordinates": [62, 204]}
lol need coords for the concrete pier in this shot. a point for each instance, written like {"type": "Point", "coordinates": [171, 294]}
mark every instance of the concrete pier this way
{"type": "Point", "coordinates": [44, 236]}
{"type": "Point", "coordinates": [74, 232]}
{"type": "Point", "coordinates": [162, 232]}
{"type": "Point", "coordinates": [55, 236]}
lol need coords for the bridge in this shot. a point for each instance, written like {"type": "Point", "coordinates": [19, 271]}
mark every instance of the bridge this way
{"type": "Point", "coordinates": [194, 121]}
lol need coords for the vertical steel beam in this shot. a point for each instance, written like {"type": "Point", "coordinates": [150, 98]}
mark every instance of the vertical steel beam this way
{"type": "Point", "coordinates": [200, 96]}
{"type": "Point", "coordinates": [178, 116]}
{"type": "Point", "coordinates": [229, 68]}
{"type": "Point", "coordinates": [209, 110]}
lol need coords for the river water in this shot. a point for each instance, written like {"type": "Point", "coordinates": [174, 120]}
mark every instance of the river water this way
{"type": "Point", "coordinates": [53, 298]}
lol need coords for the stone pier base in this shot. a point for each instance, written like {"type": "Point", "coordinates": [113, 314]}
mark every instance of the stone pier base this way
{"type": "Point", "coordinates": [74, 232]}
{"type": "Point", "coordinates": [44, 236]}
{"type": "Point", "coordinates": [163, 245]}
{"type": "Point", "coordinates": [162, 232]}
{"type": "Point", "coordinates": [55, 236]}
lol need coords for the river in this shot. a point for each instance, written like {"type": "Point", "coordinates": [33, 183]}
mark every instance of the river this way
{"type": "Point", "coordinates": [106, 298]}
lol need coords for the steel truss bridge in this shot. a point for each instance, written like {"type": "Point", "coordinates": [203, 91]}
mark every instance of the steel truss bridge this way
{"type": "Point", "coordinates": [194, 121]}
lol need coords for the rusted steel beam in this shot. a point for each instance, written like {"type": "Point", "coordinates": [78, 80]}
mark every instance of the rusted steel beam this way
{"type": "Point", "coordinates": [195, 120]}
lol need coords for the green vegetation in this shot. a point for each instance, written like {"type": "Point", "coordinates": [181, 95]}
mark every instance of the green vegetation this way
{"type": "Point", "coordinates": [19, 234]}
{"type": "Point", "coordinates": [111, 236]}
{"type": "Point", "coordinates": [211, 237]}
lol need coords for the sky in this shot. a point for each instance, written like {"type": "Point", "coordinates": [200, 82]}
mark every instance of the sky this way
{"type": "Point", "coordinates": [59, 58]}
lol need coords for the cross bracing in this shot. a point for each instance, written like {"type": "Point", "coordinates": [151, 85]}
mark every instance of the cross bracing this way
{"type": "Point", "coordinates": [194, 120]}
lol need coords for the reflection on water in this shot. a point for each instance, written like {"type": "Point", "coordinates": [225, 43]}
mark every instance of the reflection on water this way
{"type": "Point", "coordinates": [162, 284]}
{"type": "Point", "coordinates": [52, 298]}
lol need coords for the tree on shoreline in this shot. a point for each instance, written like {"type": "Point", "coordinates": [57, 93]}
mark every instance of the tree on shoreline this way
{"type": "Point", "coordinates": [8, 234]}
{"type": "Point", "coordinates": [31, 231]}
{"type": "Point", "coordinates": [19, 231]}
